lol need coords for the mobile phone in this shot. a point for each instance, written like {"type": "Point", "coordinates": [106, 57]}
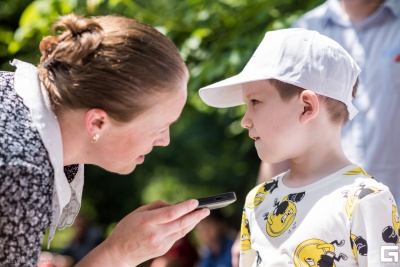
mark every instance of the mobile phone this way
{"type": "Point", "coordinates": [217, 201]}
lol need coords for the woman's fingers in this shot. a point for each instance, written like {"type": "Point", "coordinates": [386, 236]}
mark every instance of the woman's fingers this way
{"type": "Point", "coordinates": [169, 219]}
{"type": "Point", "coordinates": [185, 222]}
{"type": "Point", "coordinates": [170, 213]}
{"type": "Point", "coordinates": [153, 206]}
{"type": "Point", "coordinates": [178, 235]}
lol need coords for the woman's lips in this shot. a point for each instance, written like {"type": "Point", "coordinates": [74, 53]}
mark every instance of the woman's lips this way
{"type": "Point", "coordinates": [141, 159]}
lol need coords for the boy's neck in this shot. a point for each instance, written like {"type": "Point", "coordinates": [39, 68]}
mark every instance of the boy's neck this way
{"type": "Point", "coordinates": [322, 159]}
{"type": "Point", "coordinates": [358, 10]}
{"type": "Point", "coordinates": [297, 177]}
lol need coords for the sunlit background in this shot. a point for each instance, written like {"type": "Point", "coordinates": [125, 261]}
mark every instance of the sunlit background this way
{"type": "Point", "coordinates": [209, 152]}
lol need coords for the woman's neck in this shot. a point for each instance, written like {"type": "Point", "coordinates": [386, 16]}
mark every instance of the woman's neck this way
{"type": "Point", "coordinates": [72, 132]}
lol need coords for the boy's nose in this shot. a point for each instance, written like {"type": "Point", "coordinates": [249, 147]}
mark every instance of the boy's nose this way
{"type": "Point", "coordinates": [246, 122]}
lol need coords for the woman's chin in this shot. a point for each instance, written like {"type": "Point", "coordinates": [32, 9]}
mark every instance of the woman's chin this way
{"type": "Point", "coordinates": [127, 168]}
{"type": "Point", "coordinates": [122, 170]}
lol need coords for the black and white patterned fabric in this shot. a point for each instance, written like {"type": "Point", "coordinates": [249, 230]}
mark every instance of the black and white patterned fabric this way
{"type": "Point", "coordinates": [71, 171]}
{"type": "Point", "coordinates": [26, 180]}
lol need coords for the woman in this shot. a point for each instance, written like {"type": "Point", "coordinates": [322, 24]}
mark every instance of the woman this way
{"type": "Point", "coordinates": [105, 93]}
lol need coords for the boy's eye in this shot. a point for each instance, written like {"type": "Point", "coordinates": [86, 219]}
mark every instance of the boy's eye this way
{"type": "Point", "coordinates": [254, 102]}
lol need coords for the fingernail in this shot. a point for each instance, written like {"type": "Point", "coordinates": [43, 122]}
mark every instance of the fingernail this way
{"type": "Point", "coordinates": [206, 212]}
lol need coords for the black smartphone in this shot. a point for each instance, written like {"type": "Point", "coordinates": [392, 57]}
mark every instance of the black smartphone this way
{"type": "Point", "coordinates": [217, 201]}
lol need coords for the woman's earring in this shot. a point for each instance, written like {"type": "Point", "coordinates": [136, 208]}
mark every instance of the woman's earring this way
{"type": "Point", "coordinates": [95, 138]}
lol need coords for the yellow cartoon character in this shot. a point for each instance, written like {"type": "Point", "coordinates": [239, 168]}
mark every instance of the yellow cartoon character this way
{"type": "Point", "coordinates": [257, 195]}
{"type": "Point", "coordinates": [245, 242]}
{"type": "Point", "coordinates": [391, 233]}
{"type": "Point", "coordinates": [283, 215]}
{"type": "Point", "coordinates": [357, 171]}
{"type": "Point", "coordinates": [353, 198]}
{"type": "Point", "coordinates": [316, 252]}
{"type": "Point", "coordinates": [358, 244]}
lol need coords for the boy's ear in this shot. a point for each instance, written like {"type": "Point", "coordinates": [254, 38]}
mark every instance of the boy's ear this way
{"type": "Point", "coordinates": [310, 106]}
{"type": "Point", "coordinates": [95, 121]}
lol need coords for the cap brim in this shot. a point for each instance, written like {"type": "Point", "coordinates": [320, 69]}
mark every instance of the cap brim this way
{"type": "Point", "coordinates": [227, 93]}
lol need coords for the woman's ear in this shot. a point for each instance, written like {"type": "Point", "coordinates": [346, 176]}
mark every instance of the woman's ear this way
{"type": "Point", "coordinates": [95, 122]}
{"type": "Point", "coordinates": [309, 102]}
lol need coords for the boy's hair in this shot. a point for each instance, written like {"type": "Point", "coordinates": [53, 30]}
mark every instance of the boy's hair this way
{"type": "Point", "coordinates": [337, 110]}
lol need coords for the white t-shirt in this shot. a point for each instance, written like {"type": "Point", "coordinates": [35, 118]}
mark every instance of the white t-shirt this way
{"type": "Point", "coordinates": [341, 220]}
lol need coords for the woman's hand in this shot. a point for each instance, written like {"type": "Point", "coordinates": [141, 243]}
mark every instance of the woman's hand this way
{"type": "Point", "coordinates": [147, 232]}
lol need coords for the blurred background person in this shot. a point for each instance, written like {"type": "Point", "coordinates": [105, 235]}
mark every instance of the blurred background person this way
{"type": "Point", "coordinates": [215, 238]}
{"type": "Point", "coordinates": [182, 254]}
{"type": "Point", "coordinates": [87, 236]}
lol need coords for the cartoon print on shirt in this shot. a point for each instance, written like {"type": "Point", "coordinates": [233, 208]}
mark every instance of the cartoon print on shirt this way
{"type": "Point", "coordinates": [257, 195]}
{"type": "Point", "coordinates": [391, 233]}
{"type": "Point", "coordinates": [245, 243]}
{"type": "Point", "coordinates": [316, 252]}
{"type": "Point", "coordinates": [358, 244]}
{"type": "Point", "coordinates": [279, 220]}
{"type": "Point", "coordinates": [353, 198]}
{"type": "Point", "coordinates": [258, 259]}
{"type": "Point", "coordinates": [357, 171]}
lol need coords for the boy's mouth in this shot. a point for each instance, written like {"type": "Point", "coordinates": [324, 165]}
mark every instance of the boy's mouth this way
{"type": "Point", "coordinates": [255, 138]}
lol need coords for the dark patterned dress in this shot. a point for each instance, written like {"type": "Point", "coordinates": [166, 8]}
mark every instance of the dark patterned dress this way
{"type": "Point", "coordinates": [26, 180]}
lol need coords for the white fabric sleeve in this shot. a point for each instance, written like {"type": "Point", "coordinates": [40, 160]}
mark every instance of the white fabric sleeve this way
{"type": "Point", "coordinates": [247, 258]}
{"type": "Point", "coordinates": [247, 254]}
{"type": "Point", "coordinates": [375, 224]}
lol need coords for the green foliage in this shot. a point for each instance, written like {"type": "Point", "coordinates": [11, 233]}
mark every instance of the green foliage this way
{"type": "Point", "coordinates": [209, 151]}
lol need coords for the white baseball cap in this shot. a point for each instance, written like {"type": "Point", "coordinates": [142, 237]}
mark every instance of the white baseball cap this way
{"type": "Point", "coordinates": [296, 56]}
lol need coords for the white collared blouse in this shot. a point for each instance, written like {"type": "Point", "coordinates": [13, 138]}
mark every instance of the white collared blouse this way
{"type": "Point", "coordinates": [36, 190]}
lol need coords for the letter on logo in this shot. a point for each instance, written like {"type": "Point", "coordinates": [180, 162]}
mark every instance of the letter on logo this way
{"type": "Point", "coordinates": [389, 254]}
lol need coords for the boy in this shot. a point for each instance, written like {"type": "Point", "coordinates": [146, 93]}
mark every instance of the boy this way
{"type": "Point", "coordinates": [324, 211]}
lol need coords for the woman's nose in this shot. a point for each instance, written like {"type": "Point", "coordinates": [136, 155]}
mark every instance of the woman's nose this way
{"type": "Point", "coordinates": [164, 139]}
